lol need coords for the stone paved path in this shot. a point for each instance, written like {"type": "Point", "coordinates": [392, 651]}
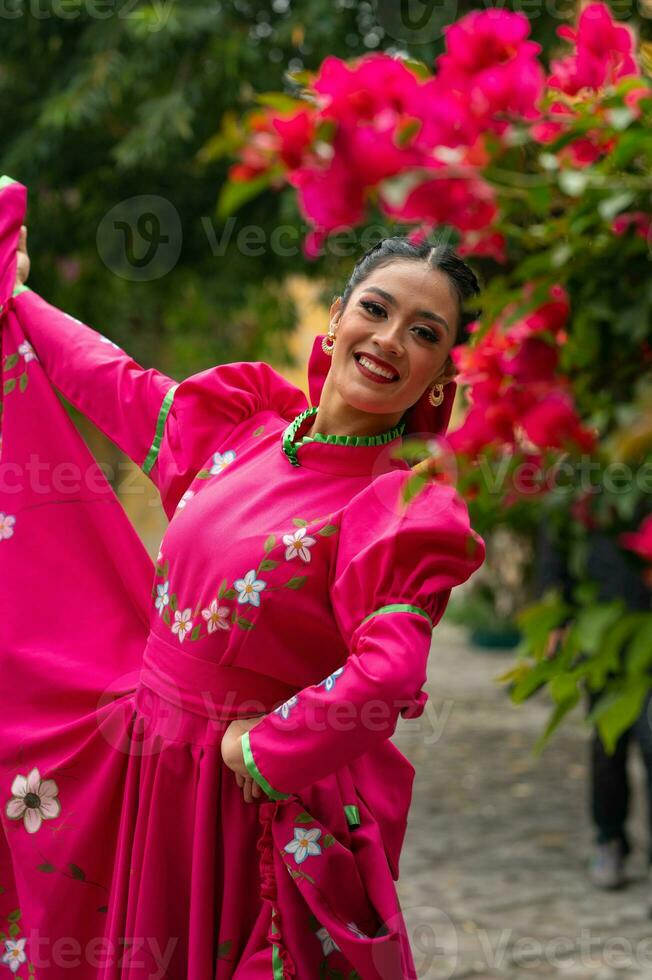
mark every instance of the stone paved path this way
{"type": "Point", "coordinates": [494, 868]}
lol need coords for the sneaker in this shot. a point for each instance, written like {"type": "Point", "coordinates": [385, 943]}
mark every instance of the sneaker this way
{"type": "Point", "coordinates": [607, 865]}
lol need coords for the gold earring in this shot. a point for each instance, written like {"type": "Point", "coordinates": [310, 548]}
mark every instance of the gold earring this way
{"type": "Point", "coordinates": [325, 346]}
{"type": "Point", "coordinates": [436, 399]}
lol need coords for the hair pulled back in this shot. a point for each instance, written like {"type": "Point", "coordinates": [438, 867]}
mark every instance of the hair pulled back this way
{"type": "Point", "coordinates": [437, 255]}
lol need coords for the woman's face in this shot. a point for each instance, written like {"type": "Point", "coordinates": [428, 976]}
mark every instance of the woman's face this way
{"type": "Point", "coordinates": [402, 318]}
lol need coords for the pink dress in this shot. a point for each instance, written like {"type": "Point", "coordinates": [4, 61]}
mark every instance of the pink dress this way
{"type": "Point", "coordinates": [289, 582]}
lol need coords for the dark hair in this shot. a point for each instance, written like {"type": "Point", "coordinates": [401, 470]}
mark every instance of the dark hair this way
{"type": "Point", "coordinates": [437, 255]}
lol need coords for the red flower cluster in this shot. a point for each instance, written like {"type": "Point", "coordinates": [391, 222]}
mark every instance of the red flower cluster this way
{"type": "Point", "coordinates": [518, 402]}
{"type": "Point", "coordinates": [374, 120]}
{"type": "Point", "coordinates": [604, 53]}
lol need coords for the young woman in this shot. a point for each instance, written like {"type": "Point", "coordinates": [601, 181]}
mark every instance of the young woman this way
{"type": "Point", "coordinates": [196, 760]}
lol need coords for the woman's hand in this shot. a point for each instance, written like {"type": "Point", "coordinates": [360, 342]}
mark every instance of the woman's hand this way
{"type": "Point", "coordinates": [22, 265]}
{"type": "Point", "coordinates": [233, 758]}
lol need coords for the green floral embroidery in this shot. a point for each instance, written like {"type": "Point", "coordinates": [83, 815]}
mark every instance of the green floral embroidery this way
{"type": "Point", "coordinates": [247, 590]}
{"type": "Point", "coordinates": [14, 943]}
{"type": "Point", "coordinates": [19, 381]}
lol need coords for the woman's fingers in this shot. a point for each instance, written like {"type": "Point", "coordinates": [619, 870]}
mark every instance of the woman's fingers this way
{"type": "Point", "coordinates": [251, 789]}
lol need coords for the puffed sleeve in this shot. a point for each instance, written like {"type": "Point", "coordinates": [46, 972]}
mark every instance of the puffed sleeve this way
{"type": "Point", "coordinates": [392, 579]}
{"type": "Point", "coordinates": [203, 412]}
{"type": "Point", "coordinates": [167, 428]}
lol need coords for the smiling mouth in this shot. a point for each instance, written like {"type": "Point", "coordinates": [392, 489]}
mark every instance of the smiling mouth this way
{"type": "Point", "coordinates": [371, 369]}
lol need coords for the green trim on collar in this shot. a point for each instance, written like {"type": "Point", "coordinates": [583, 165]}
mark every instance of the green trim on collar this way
{"type": "Point", "coordinates": [150, 459]}
{"type": "Point", "coordinates": [399, 607]}
{"type": "Point", "coordinates": [255, 772]}
{"type": "Point", "coordinates": [352, 815]}
{"type": "Point", "coordinates": [290, 447]}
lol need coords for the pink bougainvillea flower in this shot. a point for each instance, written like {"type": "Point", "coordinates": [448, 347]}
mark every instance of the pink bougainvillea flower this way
{"type": "Point", "coordinates": [533, 360]}
{"type": "Point", "coordinates": [491, 245]}
{"type": "Point", "coordinates": [465, 203]}
{"type": "Point", "coordinates": [553, 422]}
{"type": "Point", "coordinates": [328, 196]}
{"type": "Point", "coordinates": [635, 96]}
{"type": "Point", "coordinates": [296, 133]}
{"type": "Point", "coordinates": [604, 52]}
{"type": "Point", "coordinates": [639, 541]}
{"type": "Point", "coordinates": [551, 316]}
{"type": "Point", "coordinates": [639, 221]}
{"type": "Point", "coordinates": [361, 90]}
{"type": "Point", "coordinates": [490, 61]}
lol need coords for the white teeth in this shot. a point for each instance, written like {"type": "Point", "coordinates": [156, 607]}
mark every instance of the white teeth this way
{"type": "Point", "coordinates": [371, 366]}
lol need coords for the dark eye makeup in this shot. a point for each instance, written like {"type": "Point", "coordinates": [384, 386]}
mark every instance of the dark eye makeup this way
{"type": "Point", "coordinates": [425, 332]}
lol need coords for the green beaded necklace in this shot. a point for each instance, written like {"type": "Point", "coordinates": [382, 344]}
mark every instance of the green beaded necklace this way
{"type": "Point", "coordinates": [290, 447]}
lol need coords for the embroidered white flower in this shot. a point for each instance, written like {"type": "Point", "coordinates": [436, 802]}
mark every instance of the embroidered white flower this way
{"type": "Point", "coordinates": [27, 351]}
{"type": "Point", "coordinates": [298, 544]}
{"type": "Point", "coordinates": [304, 843]}
{"type": "Point", "coordinates": [328, 944]}
{"type": "Point", "coordinates": [162, 597]}
{"type": "Point", "coordinates": [185, 498]}
{"type": "Point", "coordinates": [221, 460]}
{"type": "Point", "coordinates": [284, 709]}
{"type": "Point", "coordinates": [7, 522]}
{"type": "Point", "coordinates": [250, 587]}
{"type": "Point", "coordinates": [329, 682]}
{"type": "Point", "coordinates": [14, 953]}
{"type": "Point", "coordinates": [358, 932]}
{"type": "Point", "coordinates": [216, 617]}
{"type": "Point", "coordinates": [182, 623]}
{"type": "Point", "coordinates": [34, 800]}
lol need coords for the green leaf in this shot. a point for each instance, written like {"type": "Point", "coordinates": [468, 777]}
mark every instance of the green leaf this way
{"type": "Point", "coordinates": [327, 530]}
{"type": "Point", "coordinates": [280, 101]}
{"type": "Point", "coordinates": [173, 601]}
{"type": "Point", "coordinates": [166, 616]}
{"type": "Point", "coordinates": [14, 929]}
{"type": "Point", "coordinates": [616, 711]}
{"type": "Point", "coordinates": [230, 594]}
{"type": "Point", "coordinates": [259, 431]}
{"type": "Point", "coordinates": [203, 475]}
{"type": "Point", "coordinates": [15, 916]}
{"type": "Point", "coordinates": [328, 840]}
{"type": "Point", "coordinates": [10, 361]}
{"type": "Point", "coordinates": [245, 624]}
{"type": "Point", "coordinates": [267, 564]}
{"type": "Point", "coordinates": [269, 543]}
{"type": "Point", "coordinates": [296, 582]}
{"type": "Point", "coordinates": [22, 381]}
{"type": "Point", "coordinates": [46, 867]}
{"type": "Point", "coordinates": [235, 194]}
{"type": "Point", "coordinates": [9, 385]}
{"type": "Point", "coordinates": [196, 630]}
{"type": "Point", "coordinates": [77, 872]}
{"type": "Point", "coordinates": [303, 817]}
{"type": "Point", "coordinates": [299, 522]}
{"type": "Point", "coordinates": [223, 949]}
{"type": "Point", "coordinates": [220, 591]}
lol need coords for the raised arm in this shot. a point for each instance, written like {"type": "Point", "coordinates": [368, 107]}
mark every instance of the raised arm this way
{"type": "Point", "coordinates": [123, 399]}
{"type": "Point", "coordinates": [126, 401]}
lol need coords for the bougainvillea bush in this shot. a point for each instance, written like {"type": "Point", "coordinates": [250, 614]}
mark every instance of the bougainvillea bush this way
{"type": "Point", "coordinates": [541, 173]}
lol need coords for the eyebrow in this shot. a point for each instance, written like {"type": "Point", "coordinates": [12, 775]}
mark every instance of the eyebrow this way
{"type": "Point", "coordinates": [424, 313]}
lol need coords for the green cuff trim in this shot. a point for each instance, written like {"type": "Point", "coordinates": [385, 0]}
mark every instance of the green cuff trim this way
{"type": "Point", "coordinates": [255, 772]}
{"type": "Point", "coordinates": [20, 288]}
{"type": "Point", "coordinates": [399, 607]}
{"type": "Point", "coordinates": [352, 815]}
{"type": "Point", "coordinates": [150, 459]}
{"type": "Point", "coordinates": [5, 181]}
